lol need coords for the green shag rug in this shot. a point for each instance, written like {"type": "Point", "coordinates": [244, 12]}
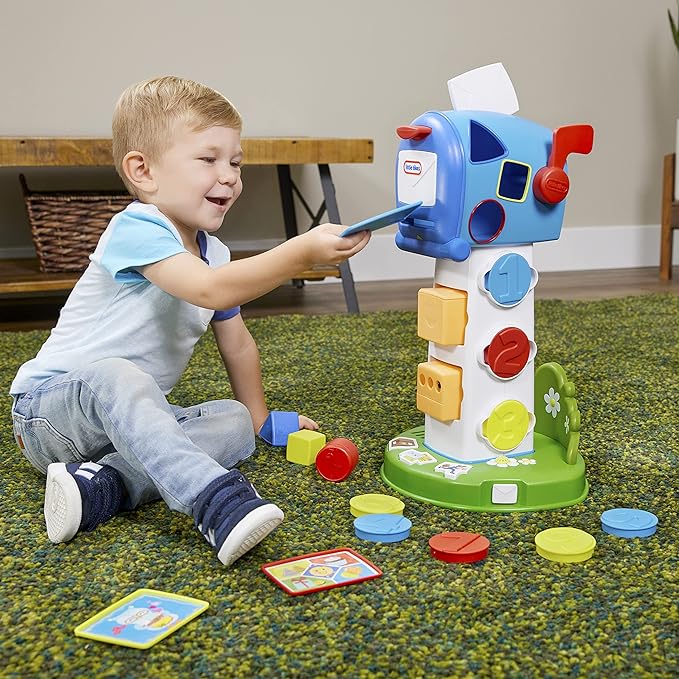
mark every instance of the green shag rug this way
{"type": "Point", "coordinates": [514, 614]}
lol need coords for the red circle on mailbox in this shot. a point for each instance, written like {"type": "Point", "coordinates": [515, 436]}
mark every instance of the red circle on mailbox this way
{"type": "Point", "coordinates": [508, 352]}
{"type": "Point", "coordinates": [459, 547]}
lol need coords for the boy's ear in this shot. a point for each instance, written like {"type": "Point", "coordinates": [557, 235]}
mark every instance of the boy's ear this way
{"type": "Point", "coordinates": [138, 172]}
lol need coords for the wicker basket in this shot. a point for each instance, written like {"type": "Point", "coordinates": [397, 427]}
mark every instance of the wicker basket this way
{"type": "Point", "coordinates": [66, 226]}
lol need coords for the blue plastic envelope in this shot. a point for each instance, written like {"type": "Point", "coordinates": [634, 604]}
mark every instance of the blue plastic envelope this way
{"type": "Point", "coordinates": [380, 221]}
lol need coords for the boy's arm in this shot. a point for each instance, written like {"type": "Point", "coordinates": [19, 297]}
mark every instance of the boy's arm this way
{"type": "Point", "coordinates": [241, 360]}
{"type": "Point", "coordinates": [189, 278]}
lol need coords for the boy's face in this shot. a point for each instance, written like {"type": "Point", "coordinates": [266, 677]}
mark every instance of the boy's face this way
{"type": "Point", "coordinates": [199, 177]}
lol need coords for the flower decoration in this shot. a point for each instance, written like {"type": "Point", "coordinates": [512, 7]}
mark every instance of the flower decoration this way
{"type": "Point", "coordinates": [567, 424]}
{"type": "Point", "coordinates": [503, 461]}
{"type": "Point", "coordinates": [552, 400]}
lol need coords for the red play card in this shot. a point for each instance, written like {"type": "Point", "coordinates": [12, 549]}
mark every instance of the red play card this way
{"type": "Point", "coordinates": [320, 570]}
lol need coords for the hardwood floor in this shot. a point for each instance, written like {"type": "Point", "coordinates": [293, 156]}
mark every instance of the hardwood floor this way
{"type": "Point", "coordinates": [30, 313]}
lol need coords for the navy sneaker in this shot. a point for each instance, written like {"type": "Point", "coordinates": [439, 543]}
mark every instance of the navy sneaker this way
{"type": "Point", "coordinates": [80, 496]}
{"type": "Point", "coordinates": [232, 516]}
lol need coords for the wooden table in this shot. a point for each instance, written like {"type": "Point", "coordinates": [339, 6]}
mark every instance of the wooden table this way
{"type": "Point", "coordinates": [23, 276]}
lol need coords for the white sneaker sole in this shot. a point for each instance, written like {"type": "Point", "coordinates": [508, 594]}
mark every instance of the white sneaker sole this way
{"type": "Point", "coordinates": [249, 531]}
{"type": "Point", "coordinates": [63, 505]}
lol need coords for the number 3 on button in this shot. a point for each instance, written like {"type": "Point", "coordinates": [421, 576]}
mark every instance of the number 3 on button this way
{"type": "Point", "coordinates": [507, 425]}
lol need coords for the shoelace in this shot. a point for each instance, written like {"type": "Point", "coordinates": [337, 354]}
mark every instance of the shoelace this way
{"type": "Point", "coordinates": [103, 498]}
{"type": "Point", "coordinates": [217, 501]}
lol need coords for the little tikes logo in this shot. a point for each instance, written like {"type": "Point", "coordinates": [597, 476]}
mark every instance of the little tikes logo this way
{"type": "Point", "coordinates": [412, 167]}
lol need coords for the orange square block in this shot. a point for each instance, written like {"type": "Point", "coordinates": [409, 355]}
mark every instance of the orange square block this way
{"type": "Point", "coordinates": [439, 390]}
{"type": "Point", "coordinates": [442, 315]}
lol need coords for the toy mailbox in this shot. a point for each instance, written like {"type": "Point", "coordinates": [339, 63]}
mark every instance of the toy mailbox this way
{"type": "Point", "coordinates": [497, 435]}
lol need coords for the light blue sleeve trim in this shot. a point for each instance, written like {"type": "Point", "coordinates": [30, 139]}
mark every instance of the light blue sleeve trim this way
{"type": "Point", "coordinates": [137, 239]}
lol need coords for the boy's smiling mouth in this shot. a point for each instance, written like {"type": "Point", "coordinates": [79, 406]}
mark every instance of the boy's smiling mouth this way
{"type": "Point", "coordinates": [216, 200]}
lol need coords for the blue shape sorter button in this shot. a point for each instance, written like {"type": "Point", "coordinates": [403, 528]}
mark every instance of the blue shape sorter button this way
{"type": "Point", "coordinates": [629, 523]}
{"type": "Point", "coordinates": [509, 279]}
{"type": "Point", "coordinates": [382, 527]}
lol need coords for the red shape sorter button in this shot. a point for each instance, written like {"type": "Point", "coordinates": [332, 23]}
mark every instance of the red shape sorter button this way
{"type": "Point", "coordinates": [459, 547]}
{"type": "Point", "coordinates": [508, 352]}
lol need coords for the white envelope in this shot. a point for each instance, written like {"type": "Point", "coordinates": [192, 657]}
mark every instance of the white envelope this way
{"type": "Point", "coordinates": [505, 493]}
{"type": "Point", "coordinates": [487, 88]}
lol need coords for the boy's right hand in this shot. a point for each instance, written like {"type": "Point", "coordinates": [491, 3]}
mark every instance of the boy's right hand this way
{"type": "Point", "coordinates": [324, 245]}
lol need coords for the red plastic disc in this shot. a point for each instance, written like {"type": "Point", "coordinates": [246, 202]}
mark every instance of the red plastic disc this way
{"type": "Point", "coordinates": [336, 459]}
{"type": "Point", "coordinates": [459, 547]}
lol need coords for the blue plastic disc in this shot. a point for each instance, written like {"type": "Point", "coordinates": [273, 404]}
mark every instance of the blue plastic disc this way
{"type": "Point", "coordinates": [629, 523]}
{"type": "Point", "coordinates": [382, 527]}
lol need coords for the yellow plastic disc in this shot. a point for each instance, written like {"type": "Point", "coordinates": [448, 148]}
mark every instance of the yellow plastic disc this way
{"type": "Point", "coordinates": [507, 425]}
{"type": "Point", "coordinates": [375, 503]}
{"type": "Point", "coordinates": [565, 545]}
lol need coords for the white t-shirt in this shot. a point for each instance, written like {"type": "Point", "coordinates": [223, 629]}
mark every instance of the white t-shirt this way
{"type": "Point", "coordinates": [113, 311]}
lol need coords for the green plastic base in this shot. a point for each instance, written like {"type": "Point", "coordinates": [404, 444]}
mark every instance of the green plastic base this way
{"type": "Point", "coordinates": [547, 483]}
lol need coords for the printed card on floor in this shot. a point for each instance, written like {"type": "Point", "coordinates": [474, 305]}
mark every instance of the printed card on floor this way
{"type": "Point", "coordinates": [142, 618]}
{"type": "Point", "coordinates": [320, 570]}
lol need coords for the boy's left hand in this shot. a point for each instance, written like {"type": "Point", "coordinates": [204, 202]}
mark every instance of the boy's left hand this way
{"type": "Point", "coordinates": [307, 423]}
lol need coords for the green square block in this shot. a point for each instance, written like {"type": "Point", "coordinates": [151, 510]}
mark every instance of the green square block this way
{"type": "Point", "coordinates": [303, 446]}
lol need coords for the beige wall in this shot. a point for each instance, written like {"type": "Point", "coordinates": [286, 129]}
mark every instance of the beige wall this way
{"type": "Point", "coordinates": [351, 68]}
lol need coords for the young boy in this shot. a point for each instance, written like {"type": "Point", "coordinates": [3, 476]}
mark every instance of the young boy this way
{"type": "Point", "coordinates": [90, 410]}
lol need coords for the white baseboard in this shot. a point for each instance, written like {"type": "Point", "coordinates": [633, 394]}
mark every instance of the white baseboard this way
{"type": "Point", "coordinates": [602, 247]}
{"type": "Point", "coordinates": [578, 249]}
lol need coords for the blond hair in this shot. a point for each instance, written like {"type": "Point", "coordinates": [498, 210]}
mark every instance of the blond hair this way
{"type": "Point", "coordinates": [147, 111]}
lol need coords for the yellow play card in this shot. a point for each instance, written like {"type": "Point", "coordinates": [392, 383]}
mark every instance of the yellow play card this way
{"type": "Point", "coordinates": [142, 618]}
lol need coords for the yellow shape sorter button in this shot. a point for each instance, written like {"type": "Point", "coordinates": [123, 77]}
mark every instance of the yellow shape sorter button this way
{"type": "Point", "coordinates": [439, 390]}
{"type": "Point", "coordinates": [507, 425]}
{"type": "Point", "coordinates": [565, 544]}
{"type": "Point", "coordinates": [303, 446]}
{"type": "Point", "coordinates": [442, 315]}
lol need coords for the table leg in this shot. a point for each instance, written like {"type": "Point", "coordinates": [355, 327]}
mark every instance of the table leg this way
{"type": "Point", "coordinates": [288, 205]}
{"type": "Point", "coordinates": [334, 217]}
{"type": "Point", "coordinates": [666, 225]}
{"type": "Point", "coordinates": [287, 202]}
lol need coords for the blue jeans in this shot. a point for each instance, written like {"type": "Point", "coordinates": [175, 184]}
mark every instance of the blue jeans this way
{"type": "Point", "coordinates": [113, 413]}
